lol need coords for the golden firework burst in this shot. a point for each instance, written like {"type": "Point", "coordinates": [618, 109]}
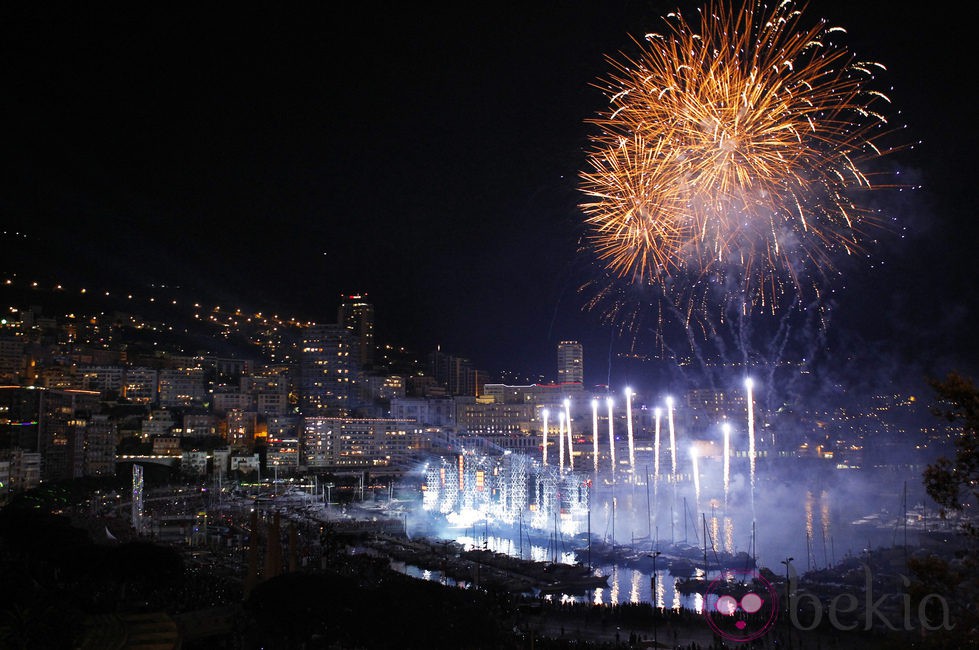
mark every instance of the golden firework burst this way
{"type": "Point", "coordinates": [731, 147]}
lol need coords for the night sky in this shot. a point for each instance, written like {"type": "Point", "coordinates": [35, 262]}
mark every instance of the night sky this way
{"type": "Point", "coordinates": [275, 157]}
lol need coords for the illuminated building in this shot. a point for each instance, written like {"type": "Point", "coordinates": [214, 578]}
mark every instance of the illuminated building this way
{"type": "Point", "coordinates": [198, 425]}
{"type": "Point", "coordinates": [242, 426]}
{"type": "Point", "coordinates": [52, 423]}
{"type": "Point", "coordinates": [283, 441]}
{"type": "Point", "coordinates": [272, 403]}
{"type": "Point", "coordinates": [227, 398]}
{"type": "Point", "coordinates": [271, 393]}
{"type": "Point", "coordinates": [63, 427]}
{"type": "Point", "coordinates": [428, 411]}
{"type": "Point", "coordinates": [456, 374]}
{"type": "Point", "coordinates": [193, 463]}
{"type": "Point", "coordinates": [357, 316]}
{"type": "Point", "coordinates": [158, 423]}
{"type": "Point", "coordinates": [181, 387]}
{"type": "Point", "coordinates": [487, 417]}
{"type": "Point", "coordinates": [100, 446]}
{"type": "Point", "coordinates": [325, 371]}
{"type": "Point", "coordinates": [105, 379]}
{"type": "Point", "coordinates": [11, 358]}
{"type": "Point", "coordinates": [384, 388]}
{"type": "Point", "coordinates": [24, 469]}
{"type": "Point", "coordinates": [570, 363]}
{"type": "Point", "coordinates": [359, 442]}
{"type": "Point", "coordinates": [140, 385]}
{"type": "Point", "coordinates": [246, 464]}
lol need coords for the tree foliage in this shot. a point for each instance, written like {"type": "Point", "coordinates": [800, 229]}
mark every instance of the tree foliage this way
{"type": "Point", "coordinates": [954, 482]}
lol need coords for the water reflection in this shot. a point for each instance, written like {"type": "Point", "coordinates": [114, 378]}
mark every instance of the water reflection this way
{"type": "Point", "coordinates": [661, 577]}
{"type": "Point", "coordinates": [562, 554]}
{"type": "Point", "coordinates": [804, 522]}
{"type": "Point", "coordinates": [613, 595]}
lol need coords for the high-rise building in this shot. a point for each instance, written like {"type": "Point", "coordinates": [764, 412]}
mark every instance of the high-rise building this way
{"type": "Point", "coordinates": [570, 363]}
{"type": "Point", "coordinates": [357, 316]}
{"type": "Point", "coordinates": [325, 371]}
{"type": "Point", "coordinates": [100, 446]}
{"type": "Point", "coordinates": [283, 441]}
{"type": "Point", "coordinates": [11, 358]}
{"type": "Point", "coordinates": [50, 422]}
{"type": "Point", "coordinates": [242, 426]}
{"type": "Point", "coordinates": [456, 374]}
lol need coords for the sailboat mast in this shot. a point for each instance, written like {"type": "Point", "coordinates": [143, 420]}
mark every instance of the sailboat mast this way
{"type": "Point", "coordinates": [905, 522]}
{"type": "Point", "coordinates": [589, 529]}
{"type": "Point", "coordinates": [706, 568]}
{"type": "Point", "coordinates": [684, 519]}
{"type": "Point", "coordinates": [649, 518]}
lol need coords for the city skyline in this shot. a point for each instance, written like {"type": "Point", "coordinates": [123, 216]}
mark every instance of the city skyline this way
{"type": "Point", "coordinates": [435, 171]}
{"type": "Point", "coordinates": [575, 312]}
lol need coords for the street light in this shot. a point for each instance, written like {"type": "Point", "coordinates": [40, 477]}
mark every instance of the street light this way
{"type": "Point", "coordinates": [788, 609]}
{"type": "Point", "coordinates": [654, 555]}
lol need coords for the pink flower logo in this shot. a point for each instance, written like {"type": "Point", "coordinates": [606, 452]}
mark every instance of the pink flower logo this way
{"type": "Point", "coordinates": [740, 606]}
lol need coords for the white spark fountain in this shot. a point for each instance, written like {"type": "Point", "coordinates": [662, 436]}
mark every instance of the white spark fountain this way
{"type": "Point", "coordinates": [749, 385]}
{"type": "Point", "coordinates": [594, 432]}
{"type": "Point", "coordinates": [658, 414]}
{"type": "Point", "coordinates": [611, 437]}
{"type": "Point", "coordinates": [669, 419]}
{"type": "Point", "coordinates": [544, 415]}
{"type": "Point", "coordinates": [567, 418]}
{"type": "Point", "coordinates": [560, 439]}
{"type": "Point", "coordinates": [628, 427]}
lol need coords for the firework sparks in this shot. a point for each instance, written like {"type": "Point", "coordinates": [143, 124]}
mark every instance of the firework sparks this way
{"type": "Point", "coordinates": [728, 155]}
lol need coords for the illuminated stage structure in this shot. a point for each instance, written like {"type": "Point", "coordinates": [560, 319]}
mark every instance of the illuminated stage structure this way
{"type": "Point", "coordinates": [511, 489]}
{"type": "Point", "coordinates": [634, 487]}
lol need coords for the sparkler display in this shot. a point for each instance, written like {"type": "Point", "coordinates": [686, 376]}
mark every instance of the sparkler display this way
{"type": "Point", "coordinates": [560, 439]}
{"type": "Point", "coordinates": [567, 418]}
{"type": "Point", "coordinates": [669, 419]}
{"type": "Point", "coordinates": [729, 154]}
{"type": "Point", "coordinates": [628, 428]}
{"type": "Point", "coordinates": [471, 486]}
{"type": "Point", "coordinates": [749, 386]}
{"type": "Point", "coordinates": [657, 414]}
{"type": "Point", "coordinates": [594, 433]}
{"type": "Point", "coordinates": [544, 415]}
{"type": "Point", "coordinates": [611, 437]}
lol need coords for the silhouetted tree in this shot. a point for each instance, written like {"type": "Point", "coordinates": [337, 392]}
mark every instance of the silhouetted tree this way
{"type": "Point", "coordinates": [954, 483]}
